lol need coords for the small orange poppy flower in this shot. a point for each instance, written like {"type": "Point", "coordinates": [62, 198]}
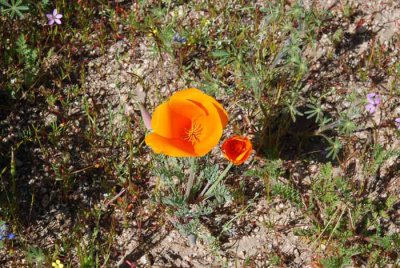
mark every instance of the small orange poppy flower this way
{"type": "Point", "coordinates": [237, 149]}
{"type": "Point", "coordinates": [190, 123]}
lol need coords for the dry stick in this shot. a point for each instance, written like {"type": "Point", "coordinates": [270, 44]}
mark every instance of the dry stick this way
{"type": "Point", "coordinates": [336, 225]}
{"type": "Point", "coordinates": [326, 227]}
{"type": "Point", "coordinates": [351, 219]}
{"type": "Point", "coordinates": [83, 169]}
{"type": "Point", "coordinates": [332, 5]}
{"type": "Point", "coordinates": [115, 197]}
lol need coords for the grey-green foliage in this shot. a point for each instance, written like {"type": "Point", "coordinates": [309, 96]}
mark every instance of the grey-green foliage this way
{"type": "Point", "coordinates": [192, 227]}
{"type": "Point", "coordinates": [334, 148]}
{"type": "Point", "coordinates": [272, 169]}
{"type": "Point", "coordinates": [35, 256]}
{"type": "Point", "coordinates": [325, 187]}
{"type": "Point", "coordinates": [29, 58]}
{"type": "Point", "coordinates": [291, 105]}
{"type": "Point", "coordinates": [220, 192]}
{"type": "Point", "coordinates": [315, 110]}
{"type": "Point", "coordinates": [287, 192]}
{"type": "Point", "coordinates": [380, 155]}
{"type": "Point", "coordinates": [13, 8]}
{"type": "Point", "coordinates": [173, 179]}
{"type": "Point", "coordinates": [272, 12]}
{"type": "Point", "coordinates": [347, 126]}
{"type": "Point", "coordinates": [270, 174]}
{"type": "Point", "coordinates": [45, 3]}
{"type": "Point", "coordinates": [336, 261]}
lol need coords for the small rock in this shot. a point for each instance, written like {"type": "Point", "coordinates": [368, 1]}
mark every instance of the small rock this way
{"type": "Point", "coordinates": [145, 260]}
{"type": "Point", "coordinates": [178, 262]}
{"type": "Point", "coordinates": [313, 168]}
{"type": "Point", "coordinates": [50, 119]}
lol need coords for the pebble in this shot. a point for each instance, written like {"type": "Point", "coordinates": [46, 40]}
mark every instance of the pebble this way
{"type": "Point", "coordinates": [50, 119]}
{"type": "Point", "coordinates": [313, 168]}
{"type": "Point", "coordinates": [188, 258]}
{"type": "Point", "coordinates": [292, 215]}
{"type": "Point", "coordinates": [144, 260]}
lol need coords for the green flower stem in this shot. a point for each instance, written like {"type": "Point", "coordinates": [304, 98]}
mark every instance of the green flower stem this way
{"type": "Point", "coordinates": [223, 174]}
{"type": "Point", "coordinates": [190, 183]}
{"type": "Point", "coordinates": [327, 127]}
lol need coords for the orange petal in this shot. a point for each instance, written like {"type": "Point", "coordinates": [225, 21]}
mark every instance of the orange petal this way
{"type": "Point", "coordinates": [223, 115]}
{"type": "Point", "coordinates": [186, 111]}
{"type": "Point", "coordinates": [237, 149]}
{"type": "Point", "coordinates": [167, 122]}
{"type": "Point", "coordinates": [171, 147]}
{"type": "Point", "coordinates": [187, 108]}
{"type": "Point", "coordinates": [209, 102]}
{"type": "Point", "coordinates": [211, 134]}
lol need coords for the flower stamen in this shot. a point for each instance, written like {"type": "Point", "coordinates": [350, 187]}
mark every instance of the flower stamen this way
{"type": "Point", "coordinates": [193, 133]}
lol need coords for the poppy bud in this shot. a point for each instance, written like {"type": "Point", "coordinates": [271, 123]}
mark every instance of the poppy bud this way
{"type": "Point", "coordinates": [237, 149]}
{"type": "Point", "coordinates": [145, 116]}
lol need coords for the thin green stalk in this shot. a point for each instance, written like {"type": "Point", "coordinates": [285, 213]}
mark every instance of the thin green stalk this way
{"type": "Point", "coordinates": [190, 183]}
{"type": "Point", "coordinates": [223, 174]}
{"type": "Point", "coordinates": [226, 225]}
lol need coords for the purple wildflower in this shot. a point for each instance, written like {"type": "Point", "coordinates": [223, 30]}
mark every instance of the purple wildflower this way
{"type": "Point", "coordinates": [397, 122]}
{"type": "Point", "coordinates": [4, 234]}
{"type": "Point", "coordinates": [10, 236]}
{"type": "Point", "coordinates": [370, 108]}
{"type": "Point", "coordinates": [373, 98]}
{"type": "Point", "coordinates": [373, 101]}
{"type": "Point", "coordinates": [55, 17]}
{"type": "Point", "coordinates": [179, 39]}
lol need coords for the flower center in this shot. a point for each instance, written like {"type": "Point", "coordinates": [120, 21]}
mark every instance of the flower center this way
{"type": "Point", "coordinates": [238, 147]}
{"type": "Point", "coordinates": [193, 133]}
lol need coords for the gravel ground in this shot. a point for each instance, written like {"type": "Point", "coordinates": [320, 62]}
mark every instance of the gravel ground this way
{"type": "Point", "coordinates": [128, 74]}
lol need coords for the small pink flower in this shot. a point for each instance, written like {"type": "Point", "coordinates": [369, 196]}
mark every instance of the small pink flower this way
{"type": "Point", "coordinates": [397, 122]}
{"type": "Point", "coordinates": [373, 101]}
{"type": "Point", "coordinates": [55, 17]}
{"type": "Point", "coordinates": [370, 108]}
{"type": "Point", "coordinates": [373, 98]}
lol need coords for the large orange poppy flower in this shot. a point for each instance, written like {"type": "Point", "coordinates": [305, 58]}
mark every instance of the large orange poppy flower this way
{"type": "Point", "coordinates": [190, 123]}
{"type": "Point", "coordinates": [237, 149]}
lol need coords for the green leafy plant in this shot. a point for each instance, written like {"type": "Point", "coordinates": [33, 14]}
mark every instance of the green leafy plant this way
{"type": "Point", "coordinates": [170, 192]}
{"type": "Point", "coordinates": [36, 256]}
{"type": "Point", "coordinates": [29, 57]}
{"type": "Point", "coordinates": [315, 111]}
{"type": "Point", "coordinates": [13, 8]}
{"type": "Point", "coordinates": [334, 148]}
